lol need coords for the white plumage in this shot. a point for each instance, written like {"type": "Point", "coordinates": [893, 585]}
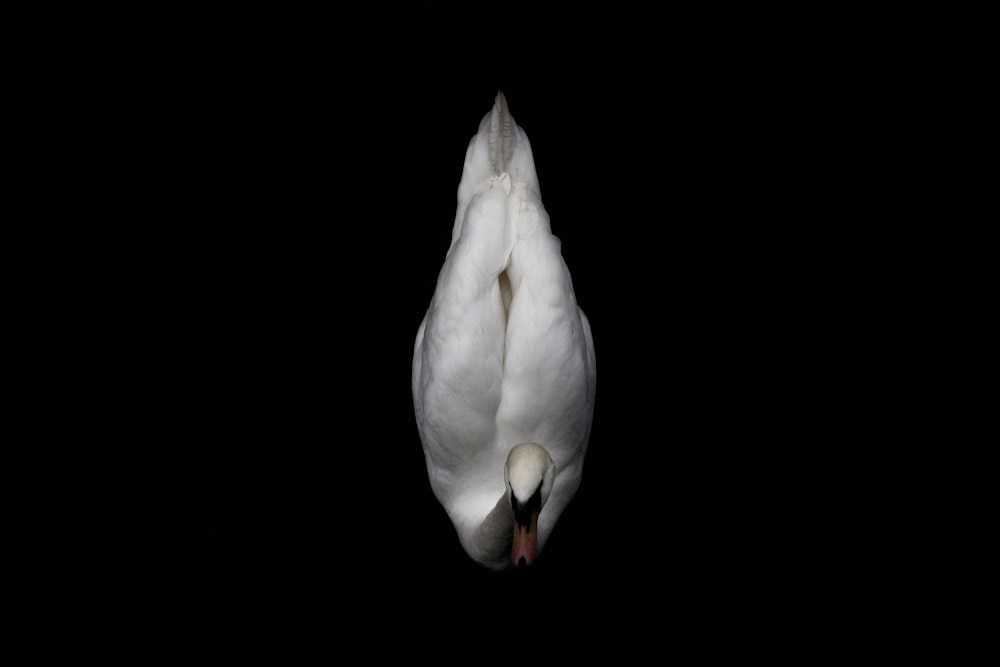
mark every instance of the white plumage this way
{"type": "Point", "coordinates": [503, 365]}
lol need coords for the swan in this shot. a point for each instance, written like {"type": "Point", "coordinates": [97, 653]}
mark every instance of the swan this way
{"type": "Point", "coordinates": [504, 370]}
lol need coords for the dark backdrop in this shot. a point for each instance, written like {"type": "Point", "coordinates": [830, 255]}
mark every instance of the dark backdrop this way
{"type": "Point", "coordinates": [312, 205]}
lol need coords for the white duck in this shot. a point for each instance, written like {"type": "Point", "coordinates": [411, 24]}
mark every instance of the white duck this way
{"type": "Point", "coordinates": [503, 364]}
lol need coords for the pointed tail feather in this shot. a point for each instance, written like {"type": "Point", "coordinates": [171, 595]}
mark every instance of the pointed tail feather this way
{"type": "Point", "coordinates": [501, 135]}
{"type": "Point", "coordinates": [499, 147]}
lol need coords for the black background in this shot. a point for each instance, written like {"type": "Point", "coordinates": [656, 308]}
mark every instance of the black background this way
{"type": "Point", "coordinates": [311, 173]}
{"type": "Point", "coordinates": [239, 216]}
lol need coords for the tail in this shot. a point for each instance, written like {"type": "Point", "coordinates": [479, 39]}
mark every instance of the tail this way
{"type": "Point", "coordinates": [499, 147]}
{"type": "Point", "coordinates": [500, 128]}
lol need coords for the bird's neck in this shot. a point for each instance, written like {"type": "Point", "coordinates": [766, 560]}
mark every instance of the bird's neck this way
{"type": "Point", "coordinates": [490, 541]}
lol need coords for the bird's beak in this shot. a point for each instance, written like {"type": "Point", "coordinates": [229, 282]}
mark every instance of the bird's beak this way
{"type": "Point", "coordinates": [525, 541]}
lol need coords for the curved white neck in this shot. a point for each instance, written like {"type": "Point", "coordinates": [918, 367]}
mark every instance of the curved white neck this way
{"type": "Point", "coordinates": [490, 542]}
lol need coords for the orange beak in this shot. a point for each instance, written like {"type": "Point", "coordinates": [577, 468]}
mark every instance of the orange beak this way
{"type": "Point", "coordinates": [525, 541]}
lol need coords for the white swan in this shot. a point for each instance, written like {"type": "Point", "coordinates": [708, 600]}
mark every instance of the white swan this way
{"type": "Point", "coordinates": [503, 364]}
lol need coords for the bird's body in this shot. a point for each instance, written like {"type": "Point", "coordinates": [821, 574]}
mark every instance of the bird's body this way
{"type": "Point", "coordinates": [504, 368]}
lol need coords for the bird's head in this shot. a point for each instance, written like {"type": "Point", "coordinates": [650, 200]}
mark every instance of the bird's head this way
{"type": "Point", "coordinates": [529, 475]}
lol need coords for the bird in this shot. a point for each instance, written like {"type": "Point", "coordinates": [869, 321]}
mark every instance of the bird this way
{"type": "Point", "coordinates": [504, 366]}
